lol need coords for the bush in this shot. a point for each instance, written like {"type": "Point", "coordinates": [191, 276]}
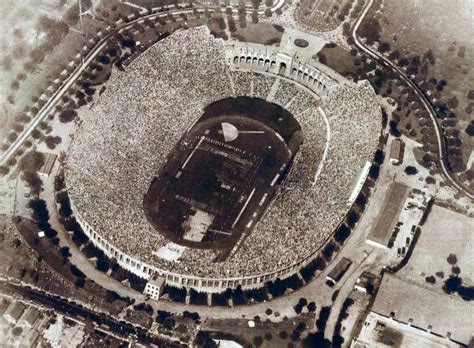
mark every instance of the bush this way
{"type": "Point", "coordinates": [430, 279]}
{"type": "Point", "coordinates": [456, 270]}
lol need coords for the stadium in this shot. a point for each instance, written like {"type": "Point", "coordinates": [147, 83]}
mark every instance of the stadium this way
{"type": "Point", "coordinates": [218, 163]}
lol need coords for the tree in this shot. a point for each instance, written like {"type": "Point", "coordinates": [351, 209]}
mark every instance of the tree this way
{"type": "Point", "coordinates": [342, 233]}
{"type": "Point", "coordinates": [33, 181]}
{"type": "Point", "coordinates": [452, 284]}
{"type": "Point", "coordinates": [79, 282]}
{"type": "Point", "coordinates": [71, 17]}
{"type": "Point", "coordinates": [64, 251]}
{"type": "Point", "coordinates": [203, 340]}
{"type": "Point", "coordinates": [370, 30]}
{"type": "Point", "coordinates": [384, 47]}
{"type": "Point", "coordinates": [470, 129]}
{"type": "Point", "coordinates": [161, 316]}
{"type": "Point", "coordinates": [321, 57]}
{"type": "Point", "coordinates": [298, 308]}
{"type": "Point", "coordinates": [410, 170]}
{"type": "Point", "coordinates": [452, 259]}
{"type": "Point", "coordinates": [67, 115]}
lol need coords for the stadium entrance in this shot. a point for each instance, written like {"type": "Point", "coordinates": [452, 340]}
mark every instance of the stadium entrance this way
{"type": "Point", "coordinates": [223, 174]}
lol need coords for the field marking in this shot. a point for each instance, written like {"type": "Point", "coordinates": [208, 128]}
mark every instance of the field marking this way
{"type": "Point", "coordinates": [243, 208]}
{"type": "Point", "coordinates": [326, 146]}
{"type": "Point", "coordinates": [192, 153]}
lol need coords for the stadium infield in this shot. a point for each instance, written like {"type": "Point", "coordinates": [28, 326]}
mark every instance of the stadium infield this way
{"type": "Point", "coordinates": [222, 174]}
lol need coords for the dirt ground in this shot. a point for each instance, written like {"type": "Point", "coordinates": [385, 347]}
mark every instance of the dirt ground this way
{"type": "Point", "coordinates": [445, 232]}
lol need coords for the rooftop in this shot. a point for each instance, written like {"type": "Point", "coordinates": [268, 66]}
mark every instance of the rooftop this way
{"type": "Point", "coordinates": [426, 309]}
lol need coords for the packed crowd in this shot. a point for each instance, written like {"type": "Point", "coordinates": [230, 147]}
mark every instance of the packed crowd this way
{"type": "Point", "coordinates": [146, 109]}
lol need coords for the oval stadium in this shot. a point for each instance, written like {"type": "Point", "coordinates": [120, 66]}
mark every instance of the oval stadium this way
{"type": "Point", "coordinates": [217, 163]}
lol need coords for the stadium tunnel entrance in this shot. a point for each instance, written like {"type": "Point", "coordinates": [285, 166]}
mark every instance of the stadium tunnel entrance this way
{"type": "Point", "coordinates": [222, 175]}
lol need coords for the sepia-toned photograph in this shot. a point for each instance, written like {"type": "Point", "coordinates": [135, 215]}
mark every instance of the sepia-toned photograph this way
{"type": "Point", "coordinates": [236, 173]}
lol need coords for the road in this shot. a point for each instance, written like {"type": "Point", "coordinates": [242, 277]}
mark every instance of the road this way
{"type": "Point", "coordinates": [449, 176]}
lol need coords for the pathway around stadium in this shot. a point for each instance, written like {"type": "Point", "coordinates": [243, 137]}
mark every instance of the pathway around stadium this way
{"type": "Point", "coordinates": [77, 257]}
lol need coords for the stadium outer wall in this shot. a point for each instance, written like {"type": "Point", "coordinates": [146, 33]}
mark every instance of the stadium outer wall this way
{"type": "Point", "coordinates": [201, 284]}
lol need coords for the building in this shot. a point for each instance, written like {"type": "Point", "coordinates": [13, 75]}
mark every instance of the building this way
{"type": "Point", "coordinates": [424, 309]}
{"type": "Point", "coordinates": [154, 287]}
{"type": "Point", "coordinates": [365, 282]}
{"type": "Point", "coordinates": [396, 153]}
{"type": "Point", "coordinates": [29, 318]}
{"type": "Point", "coordinates": [14, 312]}
{"type": "Point", "coordinates": [47, 167]}
{"type": "Point", "coordinates": [339, 270]}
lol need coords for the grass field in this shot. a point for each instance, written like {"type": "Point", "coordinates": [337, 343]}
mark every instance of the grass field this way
{"type": "Point", "coordinates": [445, 232]}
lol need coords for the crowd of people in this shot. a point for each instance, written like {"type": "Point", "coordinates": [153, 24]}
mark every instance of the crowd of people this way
{"type": "Point", "coordinates": [146, 109]}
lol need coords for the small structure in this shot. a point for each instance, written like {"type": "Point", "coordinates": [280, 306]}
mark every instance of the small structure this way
{"type": "Point", "coordinates": [29, 318]}
{"type": "Point", "coordinates": [339, 270]}
{"type": "Point", "coordinates": [396, 152]}
{"type": "Point", "coordinates": [49, 160]}
{"type": "Point", "coordinates": [4, 303]}
{"type": "Point", "coordinates": [155, 286]}
{"type": "Point", "coordinates": [359, 183]}
{"type": "Point", "coordinates": [14, 312]}
{"type": "Point", "coordinates": [364, 282]}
